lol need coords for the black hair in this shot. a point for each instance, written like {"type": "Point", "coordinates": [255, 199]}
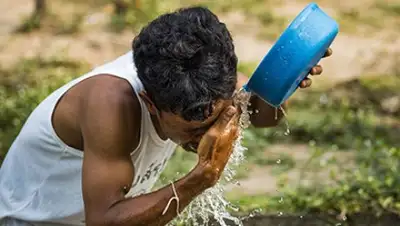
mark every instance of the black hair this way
{"type": "Point", "coordinates": [186, 60]}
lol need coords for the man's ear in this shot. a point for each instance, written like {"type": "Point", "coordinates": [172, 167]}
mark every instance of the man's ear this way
{"type": "Point", "coordinates": [149, 103]}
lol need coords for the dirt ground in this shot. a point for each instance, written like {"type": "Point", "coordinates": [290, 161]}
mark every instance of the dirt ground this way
{"type": "Point", "coordinates": [353, 55]}
{"type": "Point", "coordinates": [96, 45]}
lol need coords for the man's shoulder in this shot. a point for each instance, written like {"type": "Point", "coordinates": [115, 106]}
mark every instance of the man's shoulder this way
{"type": "Point", "coordinates": [110, 111]}
{"type": "Point", "coordinates": [106, 96]}
{"type": "Point", "coordinates": [111, 91]}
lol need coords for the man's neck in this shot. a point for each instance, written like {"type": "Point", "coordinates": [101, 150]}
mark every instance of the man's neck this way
{"type": "Point", "coordinates": [157, 126]}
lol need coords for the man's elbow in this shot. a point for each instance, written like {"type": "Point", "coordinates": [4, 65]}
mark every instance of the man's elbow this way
{"type": "Point", "coordinates": [103, 220]}
{"type": "Point", "coordinates": [116, 219]}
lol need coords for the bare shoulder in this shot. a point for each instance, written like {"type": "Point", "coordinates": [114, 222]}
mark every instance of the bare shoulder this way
{"type": "Point", "coordinates": [110, 114]}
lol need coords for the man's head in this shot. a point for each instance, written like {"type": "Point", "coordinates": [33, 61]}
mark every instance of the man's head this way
{"type": "Point", "coordinates": [187, 64]}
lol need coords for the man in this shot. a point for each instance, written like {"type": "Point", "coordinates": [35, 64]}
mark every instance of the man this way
{"type": "Point", "coordinates": [90, 153]}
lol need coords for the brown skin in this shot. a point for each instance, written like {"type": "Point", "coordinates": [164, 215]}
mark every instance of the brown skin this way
{"type": "Point", "coordinates": [104, 122]}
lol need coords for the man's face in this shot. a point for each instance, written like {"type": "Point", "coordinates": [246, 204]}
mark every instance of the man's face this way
{"type": "Point", "coordinates": [189, 133]}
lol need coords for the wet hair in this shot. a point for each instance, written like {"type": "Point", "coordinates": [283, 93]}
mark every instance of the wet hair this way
{"type": "Point", "coordinates": [186, 61]}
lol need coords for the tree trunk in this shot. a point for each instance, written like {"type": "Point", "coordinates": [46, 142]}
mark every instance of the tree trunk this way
{"type": "Point", "coordinates": [40, 8]}
{"type": "Point", "coordinates": [121, 7]}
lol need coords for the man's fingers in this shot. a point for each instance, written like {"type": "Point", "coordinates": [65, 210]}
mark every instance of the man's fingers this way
{"type": "Point", "coordinates": [328, 52]}
{"type": "Point", "coordinates": [224, 119]}
{"type": "Point", "coordinates": [316, 70]}
{"type": "Point", "coordinates": [210, 138]}
{"type": "Point", "coordinates": [305, 83]}
{"type": "Point", "coordinates": [206, 145]}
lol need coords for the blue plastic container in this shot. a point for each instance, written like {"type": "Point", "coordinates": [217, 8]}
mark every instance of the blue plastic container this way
{"type": "Point", "coordinates": [299, 48]}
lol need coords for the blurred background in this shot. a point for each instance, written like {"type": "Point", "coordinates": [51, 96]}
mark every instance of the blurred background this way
{"type": "Point", "coordinates": [342, 157]}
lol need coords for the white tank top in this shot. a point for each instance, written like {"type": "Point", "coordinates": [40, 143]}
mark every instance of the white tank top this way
{"type": "Point", "coordinates": [40, 178]}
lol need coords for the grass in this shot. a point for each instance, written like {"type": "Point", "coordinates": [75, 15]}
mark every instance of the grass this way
{"type": "Point", "coordinates": [270, 24]}
{"type": "Point", "coordinates": [370, 18]}
{"type": "Point", "coordinates": [25, 85]}
{"type": "Point", "coordinates": [339, 125]}
{"type": "Point", "coordinates": [59, 18]}
{"type": "Point", "coordinates": [370, 188]}
{"type": "Point", "coordinates": [392, 8]}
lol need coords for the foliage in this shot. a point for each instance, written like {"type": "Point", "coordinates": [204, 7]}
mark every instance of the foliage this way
{"type": "Point", "coordinates": [370, 188]}
{"type": "Point", "coordinates": [382, 14]}
{"type": "Point", "coordinates": [26, 84]}
{"type": "Point", "coordinates": [349, 116]}
{"type": "Point", "coordinates": [133, 14]}
{"type": "Point", "coordinates": [344, 116]}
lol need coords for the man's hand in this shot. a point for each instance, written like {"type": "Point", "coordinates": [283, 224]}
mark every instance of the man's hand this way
{"type": "Point", "coordinates": [216, 145]}
{"type": "Point", "coordinates": [267, 115]}
{"type": "Point", "coordinates": [316, 70]}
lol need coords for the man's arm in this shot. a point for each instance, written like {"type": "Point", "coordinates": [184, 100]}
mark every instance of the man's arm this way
{"type": "Point", "coordinates": [264, 115]}
{"type": "Point", "coordinates": [109, 124]}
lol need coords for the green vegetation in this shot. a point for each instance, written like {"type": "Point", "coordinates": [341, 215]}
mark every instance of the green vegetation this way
{"type": "Point", "coordinates": [371, 18]}
{"type": "Point", "coordinates": [135, 14]}
{"type": "Point", "coordinates": [347, 118]}
{"type": "Point", "coordinates": [26, 84]}
{"type": "Point", "coordinates": [370, 188]}
{"type": "Point", "coordinates": [392, 8]}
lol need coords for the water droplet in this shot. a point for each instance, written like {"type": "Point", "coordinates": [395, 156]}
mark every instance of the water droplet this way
{"type": "Point", "coordinates": [234, 208]}
{"type": "Point", "coordinates": [280, 214]}
{"type": "Point", "coordinates": [301, 217]}
{"type": "Point", "coordinates": [287, 132]}
{"type": "Point", "coordinates": [344, 218]}
{"type": "Point", "coordinates": [281, 200]}
{"type": "Point", "coordinates": [323, 99]}
{"type": "Point", "coordinates": [256, 111]}
{"type": "Point", "coordinates": [278, 161]}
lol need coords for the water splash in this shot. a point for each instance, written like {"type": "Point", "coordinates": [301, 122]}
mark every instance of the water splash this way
{"type": "Point", "coordinates": [287, 132]}
{"type": "Point", "coordinates": [252, 214]}
{"type": "Point", "coordinates": [211, 204]}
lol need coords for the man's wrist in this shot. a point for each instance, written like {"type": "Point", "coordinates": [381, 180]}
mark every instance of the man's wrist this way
{"type": "Point", "coordinates": [202, 176]}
